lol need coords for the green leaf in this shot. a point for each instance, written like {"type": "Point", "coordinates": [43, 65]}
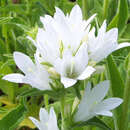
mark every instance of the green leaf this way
{"type": "Point", "coordinates": [117, 84]}
{"type": "Point", "coordinates": [36, 92]}
{"type": "Point", "coordinates": [19, 8]}
{"type": "Point", "coordinates": [31, 92]}
{"type": "Point", "coordinates": [126, 33]}
{"type": "Point", "coordinates": [4, 20]}
{"type": "Point", "coordinates": [13, 118]}
{"type": "Point", "coordinates": [113, 23]}
{"type": "Point", "coordinates": [94, 122]}
{"type": "Point", "coordinates": [48, 6]}
{"type": "Point", "coordinates": [121, 16]}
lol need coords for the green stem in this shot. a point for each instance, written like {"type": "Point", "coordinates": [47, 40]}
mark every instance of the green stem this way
{"type": "Point", "coordinates": [105, 8]}
{"type": "Point", "coordinates": [97, 25]}
{"type": "Point", "coordinates": [123, 40]}
{"type": "Point", "coordinates": [62, 112]}
{"type": "Point", "coordinates": [124, 116]}
{"type": "Point", "coordinates": [89, 128]}
{"type": "Point", "coordinates": [85, 8]}
{"type": "Point", "coordinates": [46, 101]}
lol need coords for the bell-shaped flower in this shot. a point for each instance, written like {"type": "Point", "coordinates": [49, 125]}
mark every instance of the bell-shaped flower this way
{"type": "Point", "coordinates": [73, 67]}
{"type": "Point", "coordinates": [61, 32]}
{"type": "Point", "coordinates": [72, 29]}
{"type": "Point", "coordinates": [34, 74]}
{"type": "Point", "coordinates": [47, 44]}
{"type": "Point", "coordinates": [100, 46]}
{"type": "Point", "coordinates": [93, 102]}
{"type": "Point", "coordinates": [47, 121]}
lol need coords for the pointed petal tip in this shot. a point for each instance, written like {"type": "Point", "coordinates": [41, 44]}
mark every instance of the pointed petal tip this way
{"type": "Point", "coordinates": [105, 113]}
{"type": "Point", "coordinates": [122, 45]}
{"type": "Point", "coordinates": [87, 73]}
{"type": "Point", "coordinates": [76, 6]}
{"type": "Point", "coordinates": [17, 53]}
{"type": "Point", "coordinates": [67, 82]}
{"type": "Point", "coordinates": [16, 78]}
{"type": "Point", "coordinates": [33, 41]}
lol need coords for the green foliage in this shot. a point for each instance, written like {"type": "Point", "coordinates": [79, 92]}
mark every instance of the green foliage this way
{"type": "Point", "coordinates": [95, 122]}
{"type": "Point", "coordinates": [121, 17]}
{"type": "Point", "coordinates": [117, 85]}
{"type": "Point", "coordinates": [13, 118]}
{"type": "Point", "coordinates": [22, 19]}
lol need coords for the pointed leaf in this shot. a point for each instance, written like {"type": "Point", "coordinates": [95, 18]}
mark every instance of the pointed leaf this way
{"type": "Point", "coordinates": [13, 118]}
{"type": "Point", "coordinates": [117, 84]}
{"type": "Point", "coordinates": [94, 122]}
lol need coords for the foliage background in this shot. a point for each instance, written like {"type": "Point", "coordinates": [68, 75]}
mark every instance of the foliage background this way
{"type": "Point", "coordinates": [19, 18]}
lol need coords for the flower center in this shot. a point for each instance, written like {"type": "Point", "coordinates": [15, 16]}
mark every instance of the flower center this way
{"type": "Point", "coordinates": [71, 71]}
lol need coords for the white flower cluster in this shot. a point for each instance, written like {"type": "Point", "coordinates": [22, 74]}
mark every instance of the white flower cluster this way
{"type": "Point", "coordinates": [67, 44]}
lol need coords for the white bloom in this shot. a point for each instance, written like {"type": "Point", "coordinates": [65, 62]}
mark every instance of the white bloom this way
{"type": "Point", "coordinates": [104, 44]}
{"type": "Point", "coordinates": [92, 103]}
{"type": "Point", "coordinates": [35, 74]}
{"type": "Point", "coordinates": [62, 39]}
{"type": "Point", "coordinates": [72, 29]}
{"type": "Point", "coordinates": [47, 44]}
{"type": "Point", "coordinates": [73, 68]}
{"type": "Point", "coordinates": [47, 121]}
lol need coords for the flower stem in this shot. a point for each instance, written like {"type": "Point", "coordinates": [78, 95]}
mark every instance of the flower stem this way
{"type": "Point", "coordinates": [124, 116]}
{"type": "Point", "coordinates": [62, 112]}
{"type": "Point", "coordinates": [84, 8]}
{"type": "Point", "coordinates": [105, 8]}
{"type": "Point", "coordinates": [89, 128]}
{"type": "Point", "coordinates": [46, 101]}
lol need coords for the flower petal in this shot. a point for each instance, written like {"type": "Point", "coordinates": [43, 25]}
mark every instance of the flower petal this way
{"type": "Point", "coordinates": [99, 91]}
{"type": "Point", "coordinates": [90, 19]}
{"type": "Point", "coordinates": [16, 78]}
{"type": "Point", "coordinates": [43, 114]}
{"type": "Point", "coordinates": [68, 82]}
{"type": "Point", "coordinates": [38, 79]}
{"type": "Point", "coordinates": [122, 45]}
{"type": "Point", "coordinates": [81, 58]}
{"type": "Point", "coordinates": [23, 62]}
{"type": "Point", "coordinates": [104, 113]}
{"type": "Point", "coordinates": [108, 104]}
{"type": "Point", "coordinates": [78, 17]}
{"type": "Point", "coordinates": [36, 122]}
{"type": "Point", "coordinates": [33, 41]}
{"type": "Point", "coordinates": [102, 30]}
{"type": "Point", "coordinates": [112, 35]}
{"type": "Point", "coordinates": [52, 115]}
{"type": "Point", "coordinates": [86, 73]}
{"type": "Point", "coordinates": [84, 105]}
{"type": "Point", "coordinates": [52, 122]}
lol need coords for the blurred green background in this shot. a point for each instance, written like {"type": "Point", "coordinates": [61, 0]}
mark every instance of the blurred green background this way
{"type": "Point", "coordinates": [20, 18]}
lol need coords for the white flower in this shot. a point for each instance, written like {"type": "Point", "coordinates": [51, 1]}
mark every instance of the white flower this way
{"type": "Point", "coordinates": [62, 39]}
{"type": "Point", "coordinates": [104, 44]}
{"type": "Point", "coordinates": [47, 44]}
{"type": "Point", "coordinates": [92, 103]}
{"type": "Point", "coordinates": [35, 74]}
{"type": "Point", "coordinates": [61, 31]}
{"type": "Point", "coordinates": [72, 29]}
{"type": "Point", "coordinates": [73, 67]}
{"type": "Point", "coordinates": [47, 121]}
